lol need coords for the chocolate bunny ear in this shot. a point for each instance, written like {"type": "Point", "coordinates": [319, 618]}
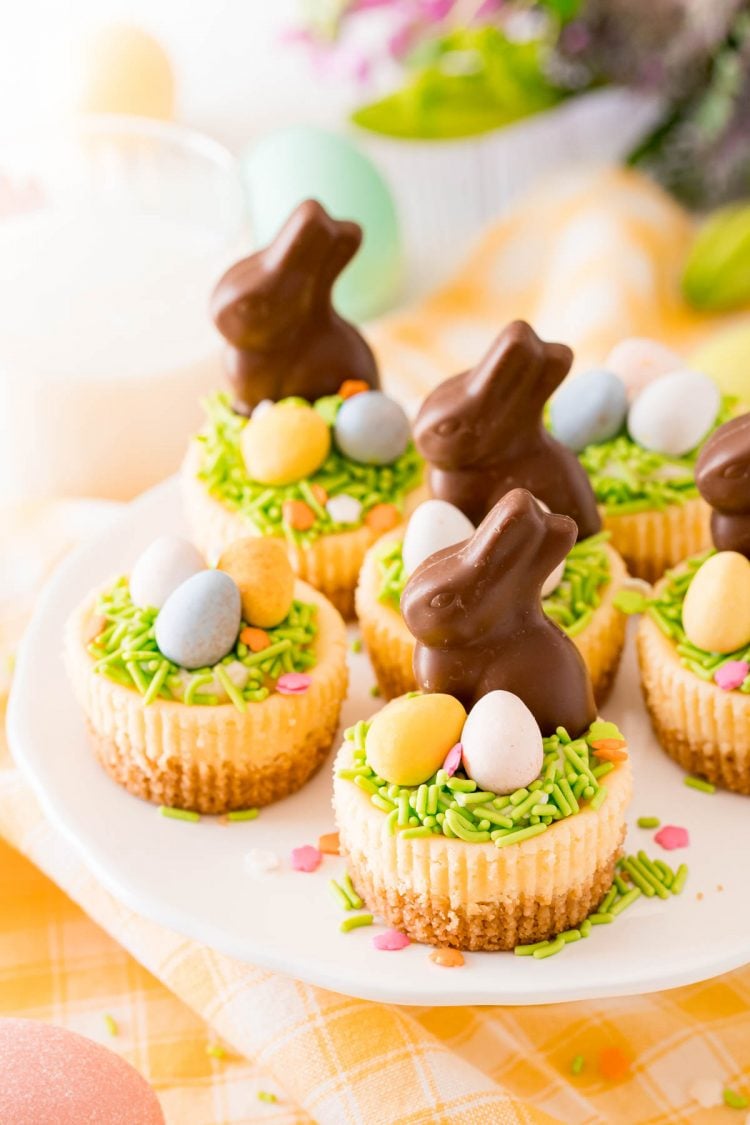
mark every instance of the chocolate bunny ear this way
{"type": "Point", "coordinates": [517, 528]}
{"type": "Point", "coordinates": [519, 369]}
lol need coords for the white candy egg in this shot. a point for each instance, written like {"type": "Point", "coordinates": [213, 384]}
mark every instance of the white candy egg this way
{"type": "Point", "coordinates": [639, 361]}
{"type": "Point", "coordinates": [161, 568]}
{"type": "Point", "coordinates": [435, 524]}
{"type": "Point", "coordinates": [674, 413]}
{"type": "Point", "coordinates": [502, 743]}
{"type": "Point", "coordinates": [555, 578]}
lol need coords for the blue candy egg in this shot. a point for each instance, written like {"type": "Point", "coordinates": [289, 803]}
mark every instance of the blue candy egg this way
{"type": "Point", "coordinates": [589, 408]}
{"type": "Point", "coordinates": [372, 428]}
{"type": "Point", "coordinates": [200, 620]}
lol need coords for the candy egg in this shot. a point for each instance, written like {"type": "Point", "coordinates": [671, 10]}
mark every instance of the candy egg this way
{"type": "Point", "coordinates": [589, 408]}
{"type": "Point", "coordinates": [409, 739]}
{"type": "Point", "coordinates": [716, 610]}
{"type": "Point", "coordinates": [725, 357]}
{"type": "Point", "coordinates": [285, 443]}
{"type": "Point", "coordinates": [674, 413]}
{"type": "Point", "coordinates": [502, 743]}
{"type": "Point", "coordinates": [264, 577]}
{"type": "Point", "coordinates": [303, 162]}
{"type": "Point", "coordinates": [200, 620]}
{"type": "Point", "coordinates": [372, 428]}
{"type": "Point", "coordinates": [638, 361]}
{"type": "Point", "coordinates": [435, 524]}
{"type": "Point", "coordinates": [161, 568]}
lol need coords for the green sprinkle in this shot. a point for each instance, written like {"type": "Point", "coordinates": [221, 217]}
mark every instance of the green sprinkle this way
{"type": "Point", "coordinates": [243, 814]}
{"type": "Point", "coordinates": [577, 1065]}
{"type": "Point", "coordinates": [624, 902]}
{"type": "Point", "coordinates": [680, 878]}
{"type": "Point", "coordinates": [585, 928]}
{"type": "Point", "coordinates": [111, 1024]}
{"type": "Point", "coordinates": [700, 784]}
{"type": "Point", "coordinates": [599, 798]}
{"type": "Point", "coordinates": [215, 1051]}
{"type": "Point", "coordinates": [417, 832]}
{"type": "Point", "coordinates": [734, 1100]}
{"type": "Point", "coordinates": [340, 895]}
{"type": "Point", "coordinates": [521, 834]}
{"type": "Point", "coordinates": [630, 602]}
{"type": "Point", "coordinates": [264, 1096]}
{"type": "Point", "coordinates": [600, 919]}
{"type": "Point", "coordinates": [648, 822]}
{"type": "Point", "coordinates": [549, 949]}
{"type": "Point", "coordinates": [179, 814]}
{"type": "Point", "coordinates": [355, 922]}
{"type": "Point", "coordinates": [527, 950]}
{"type": "Point", "coordinates": [569, 936]}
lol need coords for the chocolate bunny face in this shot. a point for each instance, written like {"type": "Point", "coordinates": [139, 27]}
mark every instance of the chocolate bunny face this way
{"type": "Point", "coordinates": [475, 611]}
{"type": "Point", "coordinates": [275, 311]}
{"type": "Point", "coordinates": [722, 475]}
{"type": "Point", "coordinates": [483, 432]}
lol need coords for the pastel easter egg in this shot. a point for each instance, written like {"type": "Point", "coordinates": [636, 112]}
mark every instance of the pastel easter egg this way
{"type": "Point", "coordinates": [674, 413]}
{"type": "Point", "coordinates": [725, 356]}
{"type": "Point", "coordinates": [588, 409]}
{"type": "Point", "coordinates": [435, 524]}
{"type": "Point", "coordinates": [122, 69]}
{"type": "Point", "coordinates": [502, 743]}
{"type": "Point", "coordinates": [199, 622]}
{"type": "Point", "coordinates": [303, 162]}
{"type": "Point", "coordinates": [716, 610]}
{"type": "Point", "coordinates": [372, 428]}
{"type": "Point", "coordinates": [286, 443]}
{"type": "Point", "coordinates": [161, 568]}
{"type": "Point", "coordinates": [554, 579]}
{"type": "Point", "coordinates": [639, 360]}
{"type": "Point", "coordinates": [409, 739]}
{"type": "Point", "coordinates": [261, 568]}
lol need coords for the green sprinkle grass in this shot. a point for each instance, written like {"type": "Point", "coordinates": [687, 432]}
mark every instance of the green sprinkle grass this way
{"type": "Point", "coordinates": [179, 814]}
{"type": "Point", "coordinates": [222, 469]}
{"type": "Point", "coordinates": [355, 922]}
{"type": "Point", "coordinates": [648, 822]}
{"type": "Point", "coordinates": [126, 653]}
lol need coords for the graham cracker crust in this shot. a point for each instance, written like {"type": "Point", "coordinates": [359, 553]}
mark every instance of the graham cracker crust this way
{"type": "Point", "coordinates": [485, 926]}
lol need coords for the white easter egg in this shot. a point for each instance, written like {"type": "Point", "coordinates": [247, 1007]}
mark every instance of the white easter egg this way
{"type": "Point", "coordinates": [435, 524]}
{"type": "Point", "coordinates": [674, 413]}
{"type": "Point", "coordinates": [161, 568]}
{"type": "Point", "coordinates": [502, 743]}
{"type": "Point", "coordinates": [555, 578]}
{"type": "Point", "coordinates": [639, 361]}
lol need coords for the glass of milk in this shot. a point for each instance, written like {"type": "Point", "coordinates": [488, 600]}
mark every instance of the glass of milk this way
{"type": "Point", "coordinates": [112, 234]}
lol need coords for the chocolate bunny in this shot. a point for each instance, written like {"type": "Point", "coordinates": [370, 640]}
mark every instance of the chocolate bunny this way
{"type": "Point", "coordinates": [483, 432]}
{"type": "Point", "coordinates": [722, 474]}
{"type": "Point", "coordinates": [274, 309]}
{"type": "Point", "coordinates": [475, 610]}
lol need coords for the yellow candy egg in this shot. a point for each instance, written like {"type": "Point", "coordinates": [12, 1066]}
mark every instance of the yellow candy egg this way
{"type": "Point", "coordinates": [716, 611]}
{"type": "Point", "coordinates": [122, 69]}
{"type": "Point", "coordinates": [265, 578]}
{"type": "Point", "coordinates": [285, 443]}
{"type": "Point", "coordinates": [409, 739]}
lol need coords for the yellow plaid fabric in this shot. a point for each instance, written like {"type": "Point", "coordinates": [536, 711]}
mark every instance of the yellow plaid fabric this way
{"type": "Point", "coordinates": [71, 954]}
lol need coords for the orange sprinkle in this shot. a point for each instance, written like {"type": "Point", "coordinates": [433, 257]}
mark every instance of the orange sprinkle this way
{"type": "Point", "coordinates": [319, 493]}
{"type": "Point", "coordinates": [329, 844]}
{"type": "Point", "coordinates": [610, 749]}
{"type": "Point", "coordinates": [255, 639]}
{"type": "Point", "coordinates": [351, 387]}
{"type": "Point", "coordinates": [297, 514]}
{"type": "Point", "coordinates": [448, 958]}
{"type": "Point", "coordinates": [383, 517]}
{"type": "Point", "coordinates": [614, 1064]}
{"type": "Point", "coordinates": [609, 744]}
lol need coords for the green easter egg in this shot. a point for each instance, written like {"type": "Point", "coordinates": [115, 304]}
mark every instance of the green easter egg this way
{"type": "Point", "coordinates": [303, 162]}
{"type": "Point", "coordinates": [726, 358]}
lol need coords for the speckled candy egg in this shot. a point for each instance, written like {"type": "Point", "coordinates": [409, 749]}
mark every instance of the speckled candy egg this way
{"type": "Point", "coordinates": [435, 524]}
{"type": "Point", "coordinates": [674, 413]}
{"type": "Point", "coordinates": [409, 739]}
{"type": "Point", "coordinates": [639, 360]}
{"type": "Point", "coordinates": [285, 443]}
{"type": "Point", "coordinates": [199, 622]}
{"type": "Point", "coordinates": [372, 428]}
{"type": "Point", "coordinates": [716, 610]}
{"type": "Point", "coordinates": [168, 562]}
{"type": "Point", "coordinates": [264, 576]}
{"type": "Point", "coordinates": [304, 162]}
{"type": "Point", "coordinates": [588, 408]}
{"type": "Point", "coordinates": [502, 743]}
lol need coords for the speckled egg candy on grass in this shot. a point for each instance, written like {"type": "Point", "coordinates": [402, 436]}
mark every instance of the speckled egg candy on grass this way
{"type": "Point", "coordinates": [502, 744]}
{"type": "Point", "coordinates": [433, 525]}
{"type": "Point", "coordinates": [199, 622]}
{"type": "Point", "coordinates": [716, 611]}
{"type": "Point", "coordinates": [588, 409]}
{"type": "Point", "coordinates": [674, 413]}
{"type": "Point", "coordinates": [264, 576]}
{"type": "Point", "coordinates": [285, 443]}
{"type": "Point", "coordinates": [372, 429]}
{"type": "Point", "coordinates": [639, 360]}
{"type": "Point", "coordinates": [165, 564]}
{"type": "Point", "coordinates": [409, 739]}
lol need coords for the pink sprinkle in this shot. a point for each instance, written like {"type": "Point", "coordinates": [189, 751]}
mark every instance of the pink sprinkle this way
{"type": "Point", "coordinates": [732, 675]}
{"type": "Point", "coordinates": [453, 759]}
{"type": "Point", "coordinates": [306, 858]}
{"type": "Point", "coordinates": [293, 683]}
{"type": "Point", "coordinates": [671, 836]}
{"type": "Point", "coordinates": [391, 940]}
